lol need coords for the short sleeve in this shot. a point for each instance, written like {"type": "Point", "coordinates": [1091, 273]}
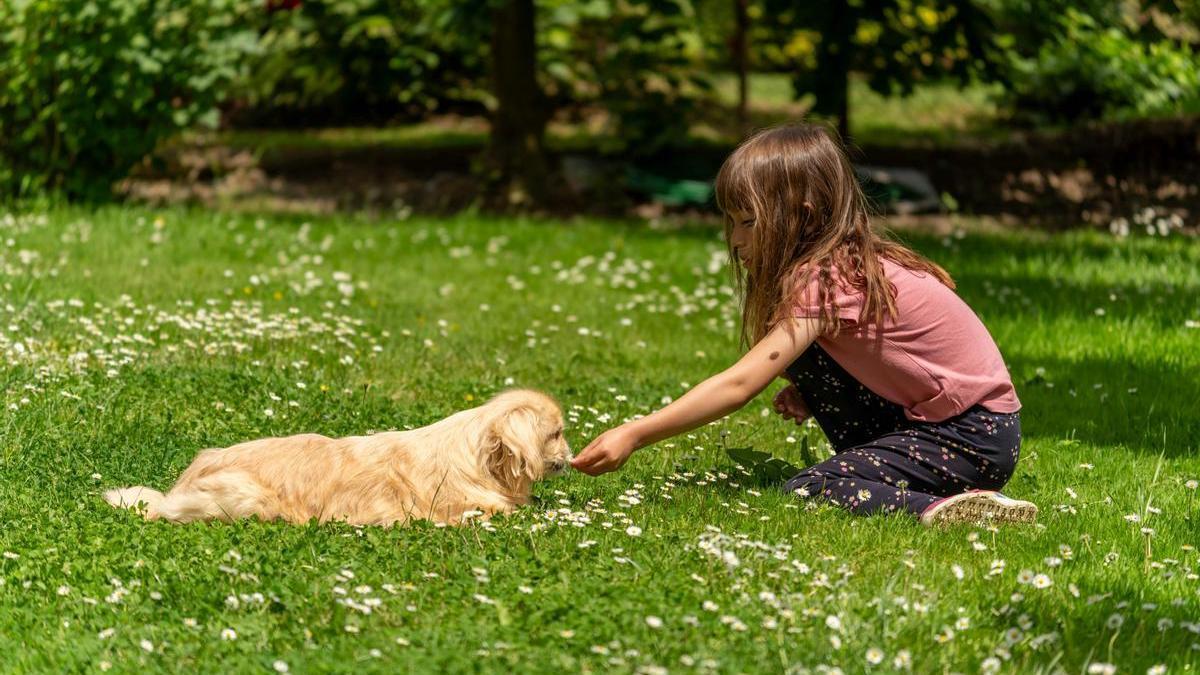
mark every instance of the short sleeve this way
{"type": "Point", "coordinates": [846, 301]}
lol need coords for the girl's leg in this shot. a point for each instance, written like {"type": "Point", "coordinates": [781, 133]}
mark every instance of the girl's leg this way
{"type": "Point", "coordinates": [848, 412]}
{"type": "Point", "coordinates": [868, 480]}
{"type": "Point", "coordinates": [908, 470]}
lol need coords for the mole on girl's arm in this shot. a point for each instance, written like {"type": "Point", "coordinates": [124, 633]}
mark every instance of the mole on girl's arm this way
{"type": "Point", "coordinates": [774, 355]}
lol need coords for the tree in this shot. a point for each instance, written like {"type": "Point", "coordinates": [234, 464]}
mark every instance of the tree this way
{"type": "Point", "coordinates": [516, 153]}
{"type": "Point", "coordinates": [632, 58]}
{"type": "Point", "coordinates": [640, 61]}
{"type": "Point", "coordinates": [895, 43]}
{"type": "Point", "coordinates": [356, 62]}
{"type": "Point", "coordinates": [741, 60]}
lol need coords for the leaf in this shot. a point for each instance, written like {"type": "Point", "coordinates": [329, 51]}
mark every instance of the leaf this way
{"type": "Point", "coordinates": [777, 470]}
{"type": "Point", "coordinates": [766, 468]}
{"type": "Point", "coordinates": [210, 119]}
{"type": "Point", "coordinates": [747, 457]}
{"type": "Point", "coordinates": [807, 453]}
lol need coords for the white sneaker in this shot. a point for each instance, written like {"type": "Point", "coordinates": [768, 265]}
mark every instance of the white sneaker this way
{"type": "Point", "coordinates": [979, 506]}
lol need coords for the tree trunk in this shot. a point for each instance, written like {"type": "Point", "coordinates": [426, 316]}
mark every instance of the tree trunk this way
{"type": "Point", "coordinates": [837, 61]}
{"type": "Point", "coordinates": [741, 63]}
{"type": "Point", "coordinates": [843, 113]}
{"type": "Point", "coordinates": [834, 58]}
{"type": "Point", "coordinates": [516, 157]}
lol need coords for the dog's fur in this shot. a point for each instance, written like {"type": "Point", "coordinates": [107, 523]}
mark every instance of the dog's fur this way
{"type": "Point", "coordinates": [485, 459]}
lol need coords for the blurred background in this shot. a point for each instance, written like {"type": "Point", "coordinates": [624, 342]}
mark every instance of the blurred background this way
{"type": "Point", "coordinates": [1057, 113]}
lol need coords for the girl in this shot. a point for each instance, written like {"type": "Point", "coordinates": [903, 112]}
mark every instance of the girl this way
{"type": "Point", "coordinates": [900, 374]}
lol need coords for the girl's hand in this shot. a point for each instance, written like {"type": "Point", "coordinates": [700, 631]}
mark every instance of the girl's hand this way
{"type": "Point", "coordinates": [606, 453]}
{"type": "Point", "coordinates": [790, 405]}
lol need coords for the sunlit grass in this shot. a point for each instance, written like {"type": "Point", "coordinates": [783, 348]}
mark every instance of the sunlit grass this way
{"type": "Point", "coordinates": [145, 336]}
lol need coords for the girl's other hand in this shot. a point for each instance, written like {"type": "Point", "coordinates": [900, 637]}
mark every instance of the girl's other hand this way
{"type": "Point", "coordinates": [606, 453]}
{"type": "Point", "coordinates": [790, 405]}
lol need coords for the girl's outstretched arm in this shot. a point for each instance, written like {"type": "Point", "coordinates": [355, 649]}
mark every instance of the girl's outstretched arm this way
{"type": "Point", "coordinates": [710, 400]}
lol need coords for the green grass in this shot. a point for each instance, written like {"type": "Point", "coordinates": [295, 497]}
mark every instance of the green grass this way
{"type": "Point", "coordinates": [938, 114]}
{"type": "Point", "coordinates": [145, 336]}
{"type": "Point", "coordinates": [941, 114]}
{"type": "Point", "coordinates": [935, 113]}
{"type": "Point", "coordinates": [418, 140]}
{"type": "Point", "coordinates": [767, 90]}
{"type": "Point", "coordinates": [467, 133]}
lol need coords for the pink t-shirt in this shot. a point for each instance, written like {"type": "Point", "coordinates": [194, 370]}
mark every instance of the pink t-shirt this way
{"type": "Point", "coordinates": [935, 358]}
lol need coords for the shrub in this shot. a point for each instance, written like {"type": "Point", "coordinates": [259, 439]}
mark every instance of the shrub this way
{"type": "Point", "coordinates": [363, 61]}
{"type": "Point", "coordinates": [88, 88]}
{"type": "Point", "coordinates": [378, 61]}
{"type": "Point", "coordinates": [641, 61]}
{"type": "Point", "coordinates": [1092, 72]}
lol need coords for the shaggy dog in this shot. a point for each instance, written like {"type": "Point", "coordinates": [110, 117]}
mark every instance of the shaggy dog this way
{"type": "Point", "coordinates": [476, 462]}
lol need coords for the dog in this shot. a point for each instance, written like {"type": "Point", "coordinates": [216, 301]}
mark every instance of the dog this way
{"type": "Point", "coordinates": [475, 463]}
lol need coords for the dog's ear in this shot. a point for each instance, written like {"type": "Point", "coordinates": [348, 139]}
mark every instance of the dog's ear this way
{"type": "Point", "coordinates": [514, 445]}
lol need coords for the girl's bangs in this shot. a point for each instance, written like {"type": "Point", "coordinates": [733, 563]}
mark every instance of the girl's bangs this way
{"type": "Point", "coordinates": [733, 190]}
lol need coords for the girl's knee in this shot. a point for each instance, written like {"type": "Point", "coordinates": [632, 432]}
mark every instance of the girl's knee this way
{"type": "Point", "coordinates": [997, 477]}
{"type": "Point", "coordinates": [996, 473]}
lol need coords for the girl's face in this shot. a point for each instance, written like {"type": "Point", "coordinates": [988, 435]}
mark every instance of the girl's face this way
{"type": "Point", "coordinates": [739, 236]}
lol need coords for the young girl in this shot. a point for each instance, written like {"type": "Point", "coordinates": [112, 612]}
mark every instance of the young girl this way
{"type": "Point", "coordinates": [901, 375]}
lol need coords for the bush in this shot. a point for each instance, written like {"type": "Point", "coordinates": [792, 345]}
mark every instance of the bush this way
{"type": "Point", "coordinates": [1094, 72]}
{"type": "Point", "coordinates": [88, 88]}
{"type": "Point", "coordinates": [641, 61]}
{"type": "Point", "coordinates": [363, 62]}
{"type": "Point", "coordinates": [379, 61]}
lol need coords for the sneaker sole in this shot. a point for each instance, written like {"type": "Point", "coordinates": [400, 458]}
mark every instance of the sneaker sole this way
{"type": "Point", "coordinates": [984, 508]}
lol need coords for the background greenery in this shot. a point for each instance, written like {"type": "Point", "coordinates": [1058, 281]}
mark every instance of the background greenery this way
{"type": "Point", "coordinates": [88, 89]}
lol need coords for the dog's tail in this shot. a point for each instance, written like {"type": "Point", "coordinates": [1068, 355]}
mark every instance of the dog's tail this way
{"type": "Point", "coordinates": [139, 498]}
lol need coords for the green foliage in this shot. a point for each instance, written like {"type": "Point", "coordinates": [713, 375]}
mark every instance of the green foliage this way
{"type": "Point", "coordinates": [767, 469]}
{"type": "Point", "coordinates": [88, 88]}
{"type": "Point", "coordinates": [895, 44]}
{"type": "Point", "coordinates": [1089, 70]}
{"type": "Point", "coordinates": [381, 60]}
{"type": "Point", "coordinates": [1028, 24]}
{"type": "Point", "coordinates": [639, 60]}
{"type": "Point", "coordinates": [365, 61]}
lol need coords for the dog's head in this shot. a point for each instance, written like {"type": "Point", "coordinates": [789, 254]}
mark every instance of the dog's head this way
{"type": "Point", "coordinates": [524, 438]}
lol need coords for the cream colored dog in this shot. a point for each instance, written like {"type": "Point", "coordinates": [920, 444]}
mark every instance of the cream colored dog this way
{"type": "Point", "coordinates": [485, 459]}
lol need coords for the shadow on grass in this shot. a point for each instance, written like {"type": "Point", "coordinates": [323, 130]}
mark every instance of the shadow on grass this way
{"type": "Point", "coordinates": [1145, 407]}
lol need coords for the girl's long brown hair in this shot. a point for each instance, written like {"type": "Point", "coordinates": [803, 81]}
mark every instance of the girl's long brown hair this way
{"type": "Point", "coordinates": [810, 217]}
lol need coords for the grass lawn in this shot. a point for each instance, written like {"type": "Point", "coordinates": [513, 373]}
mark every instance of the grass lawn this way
{"type": "Point", "coordinates": [133, 338]}
{"type": "Point", "coordinates": [939, 114]}
{"type": "Point", "coordinates": [935, 113]}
